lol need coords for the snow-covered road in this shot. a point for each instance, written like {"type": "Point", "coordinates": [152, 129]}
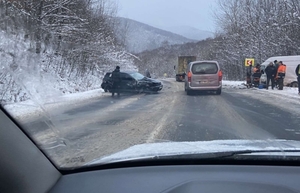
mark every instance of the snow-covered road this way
{"type": "Point", "coordinates": [77, 128]}
{"type": "Point", "coordinates": [33, 108]}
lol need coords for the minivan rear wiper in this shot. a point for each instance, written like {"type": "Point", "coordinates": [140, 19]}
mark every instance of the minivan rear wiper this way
{"type": "Point", "coordinates": [202, 72]}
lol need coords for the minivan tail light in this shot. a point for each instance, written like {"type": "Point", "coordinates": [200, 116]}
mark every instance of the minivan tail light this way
{"type": "Point", "coordinates": [220, 74]}
{"type": "Point", "coordinates": [189, 75]}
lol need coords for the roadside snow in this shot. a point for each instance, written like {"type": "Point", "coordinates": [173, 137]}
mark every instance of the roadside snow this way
{"type": "Point", "coordinates": [288, 92]}
{"type": "Point", "coordinates": [32, 108]}
{"type": "Point", "coordinates": [233, 84]}
{"type": "Point", "coordinates": [287, 99]}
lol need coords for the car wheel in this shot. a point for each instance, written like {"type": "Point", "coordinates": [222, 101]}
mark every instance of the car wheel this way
{"type": "Point", "coordinates": [148, 91]}
{"type": "Point", "coordinates": [294, 84]}
{"type": "Point", "coordinates": [219, 91]}
{"type": "Point", "coordinates": [105, 88]}
{"type": "Point", "coordinates": [141, 90]}
{"type": "Point", "coordinates": [188, 92]}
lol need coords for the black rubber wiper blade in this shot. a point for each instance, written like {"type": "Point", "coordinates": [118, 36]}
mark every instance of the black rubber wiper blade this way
{"type": "Point", "coordinates": [221, 155]}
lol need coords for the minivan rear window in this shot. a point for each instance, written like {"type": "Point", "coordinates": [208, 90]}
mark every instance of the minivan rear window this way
{"type": "Point", "coordinates": [205, 68]}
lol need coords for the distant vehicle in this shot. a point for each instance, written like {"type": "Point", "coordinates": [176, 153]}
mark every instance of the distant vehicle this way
{"type": "Point", "coordinates": [132, 82]}
{"type": "Point", "coordinates": [291, 63]}
{"type": "Point", "coordinates": [203, 76]}
{"type": "Point", "coordinates": [181, 67]}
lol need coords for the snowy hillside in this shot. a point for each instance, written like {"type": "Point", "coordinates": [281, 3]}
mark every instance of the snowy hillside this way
{"type": "Point", "coordinates": [190, 32]}
{"type": "Point", "coordinates": [139, 37]}
{"type": "Point", "coordinates": [25, 75]}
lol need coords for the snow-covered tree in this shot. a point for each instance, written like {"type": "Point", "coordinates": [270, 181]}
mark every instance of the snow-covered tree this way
{"type": "Point", "coordinates": [257, 29]}
{"type": "Point", "coordinates": [73, 40]}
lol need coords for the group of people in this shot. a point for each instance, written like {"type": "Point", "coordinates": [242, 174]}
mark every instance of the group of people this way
{"type": "Point", "coordinates": [275, 72]}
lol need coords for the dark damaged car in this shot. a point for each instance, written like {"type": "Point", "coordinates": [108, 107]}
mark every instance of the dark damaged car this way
{"type": "Point", "coordinates": [133, 82]}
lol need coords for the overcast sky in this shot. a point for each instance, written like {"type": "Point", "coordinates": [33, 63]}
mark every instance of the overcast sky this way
{"type": "Point", "coordinates": [159, 13]}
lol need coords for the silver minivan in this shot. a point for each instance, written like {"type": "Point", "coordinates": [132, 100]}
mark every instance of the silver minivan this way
{"type": "Point", "coordinates": [203, 76]}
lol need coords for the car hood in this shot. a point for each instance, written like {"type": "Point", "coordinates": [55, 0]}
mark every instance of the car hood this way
{"type": "Point", "coordinates": [151, 80]}
{"type": "Point", "coordinates": [152, 150]}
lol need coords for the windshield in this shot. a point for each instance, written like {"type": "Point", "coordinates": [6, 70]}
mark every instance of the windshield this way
{"type": "Point", "coordinates": [65, 72]}
{"type": "Point", "coordinates": [137, 76]}
{"type": "Point", "coordinates": [205, 68]}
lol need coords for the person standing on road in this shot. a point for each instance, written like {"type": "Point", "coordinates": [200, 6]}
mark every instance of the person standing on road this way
{"type": "Point", "coordinates": [256, 75]}
{"type": "Point", "coordinates": [271, 72]}
{"type": "Point", "coordinates": [276, 64]}
{"type": "Point", "coordinates": [280, 75]}
{"type": "Point", "coordinates": [147, 73]}
{"type": "Point", "coordinates": [116, 78]}
{"type": "Point", "coordinates": [249, 76]}
{"type": "Point", "coordinates": [298, 77]}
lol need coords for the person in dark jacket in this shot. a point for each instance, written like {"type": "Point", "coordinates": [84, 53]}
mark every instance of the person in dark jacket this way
{"type": "Point", "coordinates": [116, 78]}
{"type": "Point", "coordinates": [249, 76]}
{"type": "Point", "coordinates": [147, 73]}
{"type": "Point", "coordinates": [276, 64]}
{"type": "Point", "coordinates": [271, 73]}
{"type": "Point", "coordinates": [297, 71]}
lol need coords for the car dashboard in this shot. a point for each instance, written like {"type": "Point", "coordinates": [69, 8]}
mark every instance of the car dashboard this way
{"type": "Point", "coordinates": [184, 178]}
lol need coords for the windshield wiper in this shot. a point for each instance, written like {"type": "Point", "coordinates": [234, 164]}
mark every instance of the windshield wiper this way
{"type": "Point", "coordinates": [211, 156]}
{"type": "Point", "coordinates": [254, 156]}
{"type": "Point", "coordinates": [217, 155]}
{"type": "Point", "coordinates": [226, 154]}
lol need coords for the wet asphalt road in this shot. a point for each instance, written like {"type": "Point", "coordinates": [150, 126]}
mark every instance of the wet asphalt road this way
{"type": "Point", "coordinates": [105, 125]}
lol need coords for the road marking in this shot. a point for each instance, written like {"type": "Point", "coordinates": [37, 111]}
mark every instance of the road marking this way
{"type": "Point", "coordinates": [157, 130]}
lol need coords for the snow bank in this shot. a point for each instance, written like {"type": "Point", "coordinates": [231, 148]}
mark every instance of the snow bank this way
{"type": "Point", "coordinates": [234, 84]}
{"type": "Point", "coordinates": [287, 92]}
{"type": "Point", "coordinates": [31, 108]}
{"type": "Point", "coordinates": [288, 97]}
